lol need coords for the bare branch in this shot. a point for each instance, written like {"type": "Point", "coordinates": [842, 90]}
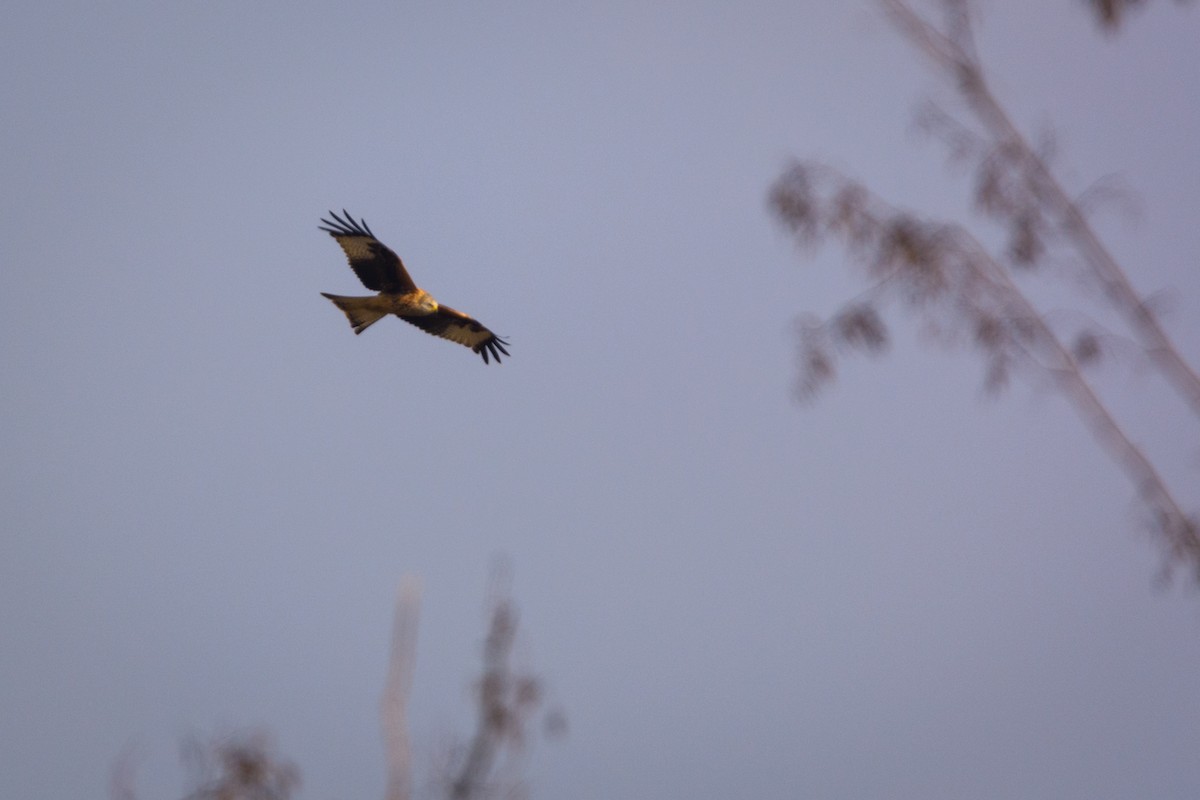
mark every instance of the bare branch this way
{"type": "Point", "coordinates": [507, 699]}
{"type": "Point", "coordinates": [1181, 531]}
{"type": "Point", "coordinates": [1017, 184]}
{"type": "Point", "coordinates": [123, 777]}
{"type": "Point", "coordinates": [394, 703]}
{"type": "Point", "coordinates": [1110, 13]}
{"type": "Point", "coordinates": [246, 769]}
{"type": "Point", "coordinates": [943, 273]}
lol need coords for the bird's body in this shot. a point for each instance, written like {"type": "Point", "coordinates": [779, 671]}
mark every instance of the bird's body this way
{"type": "Point", "coordinates": [381, 270]}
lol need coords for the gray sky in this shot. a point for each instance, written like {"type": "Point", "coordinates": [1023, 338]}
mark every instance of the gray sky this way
{"type": "Point", "coordinates": [211, 487]}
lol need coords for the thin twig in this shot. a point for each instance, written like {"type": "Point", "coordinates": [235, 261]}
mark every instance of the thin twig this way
{"type": "Point", "coordinates": [957, 54]}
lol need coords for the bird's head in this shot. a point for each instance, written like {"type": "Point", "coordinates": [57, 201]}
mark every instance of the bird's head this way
{"type": "Point", "coordinates": [424, 302]}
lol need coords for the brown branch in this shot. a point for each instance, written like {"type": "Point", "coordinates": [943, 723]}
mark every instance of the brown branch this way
{"type": "Point", "coordinates": [506, 701]}
{"type": "Point", "coordinates": [942, 269]}
{"type": "Point", "coordinates": [1180, 530]}
{"type": "Point", "coordinates": [394, 702]}
{"type": "Point", "coordinates": [957, 55]}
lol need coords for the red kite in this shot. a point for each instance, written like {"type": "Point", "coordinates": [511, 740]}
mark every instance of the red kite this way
{"type": "Point", "coordinates": [381, 270]}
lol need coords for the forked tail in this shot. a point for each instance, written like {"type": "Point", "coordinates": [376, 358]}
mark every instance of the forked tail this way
{"type": "Point", "coordinates": [362, 312]}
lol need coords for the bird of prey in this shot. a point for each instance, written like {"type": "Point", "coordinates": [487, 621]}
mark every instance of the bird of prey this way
{"type": "Point", "coordinates": [381, 270]}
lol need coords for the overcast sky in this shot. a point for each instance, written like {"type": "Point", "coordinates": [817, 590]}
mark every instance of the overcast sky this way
{"type": "Point", "coordinates": [211, 488]}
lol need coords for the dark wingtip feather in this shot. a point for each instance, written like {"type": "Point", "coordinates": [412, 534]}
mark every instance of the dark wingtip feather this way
{"type": "Point", "coordinates": [361, 226]}
{"type": "Point", "coordinates": [495, 346]}
{"type": "Point", "coordinates": [345, 227]}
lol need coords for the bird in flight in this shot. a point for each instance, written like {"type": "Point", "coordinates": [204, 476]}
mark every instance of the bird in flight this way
{"type": "Point", "coordinates": [381, 270]}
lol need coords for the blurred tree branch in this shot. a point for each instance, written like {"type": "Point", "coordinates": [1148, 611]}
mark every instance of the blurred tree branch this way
{"type": "Point", "coordinates": [393, 706]}
{"type": "Point", "coordinates": [1034, 203]}
{"type": "Point", "coordinates": [945, 276]}
{"type": "Point", "coordinates": [506, 699]}
{"type": "Point", "coordinates": [1110, 13]}
{"type": "Point", "coordinates": [244, 766]}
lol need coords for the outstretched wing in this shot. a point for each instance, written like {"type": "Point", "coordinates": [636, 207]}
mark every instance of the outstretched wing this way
{"type": "Point", "coordinates": [379, 269]}
{"type": "Point", "coordinates": [458, 327]}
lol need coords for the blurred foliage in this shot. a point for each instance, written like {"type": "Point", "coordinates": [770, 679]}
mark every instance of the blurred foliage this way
{"type": "Point", "coordinates": [240, 767]}
{"type": "Point", "coordinates": [1111, 13]}
{"type": "Point", "coordinates": [968, 296]}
